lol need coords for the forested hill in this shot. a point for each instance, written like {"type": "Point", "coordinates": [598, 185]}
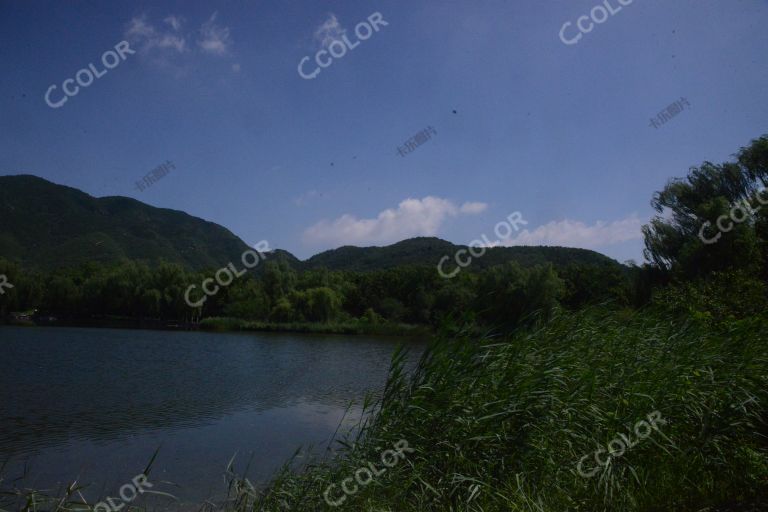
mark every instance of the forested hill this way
{"type": "Point", "coordinates": [45, 225]}
{"type": "Point", "coordinates": [416, 251]}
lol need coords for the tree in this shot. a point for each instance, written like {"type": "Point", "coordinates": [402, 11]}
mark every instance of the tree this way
{"type": "Point", "coordinates": [320, 305]}
{"type": "Point", "coordinates": [247, 299]}
{"type": "Point", "coordinates": [283, 311]}
{"type": "Point", "coordinates": [685, 238]}
{"type": "Point", "coordinates": [279, 279]}
{"type": "Point", "coordinates": [508, 293]}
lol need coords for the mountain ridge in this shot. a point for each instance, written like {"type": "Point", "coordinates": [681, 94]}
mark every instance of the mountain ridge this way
{"type": "Point", "coordinates": [48, 225]}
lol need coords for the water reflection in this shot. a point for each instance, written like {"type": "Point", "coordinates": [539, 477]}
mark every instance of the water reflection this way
{"type": "Point", "coordinates": [97, 402]}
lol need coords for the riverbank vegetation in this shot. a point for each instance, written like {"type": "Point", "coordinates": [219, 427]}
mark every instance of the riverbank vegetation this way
{"type": "Point", "coordinates": [503, 423]}
{"type": "Point", "coordinates": [412, 298]}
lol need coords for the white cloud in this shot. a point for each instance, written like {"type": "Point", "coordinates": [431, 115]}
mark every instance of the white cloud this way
{"type": "Point", "coordinates": [473, 208]}
{"type": "Point", "coordinates": [329, 31]}
{"type": "Point", "coordinates": [214, 38]}
{"type": "Point", "coordinates": [175, 22]}
{"type": "Point", "coordinates": [571, 233]}
{"type": "Point", "coordinates": [412, 217]}
{"type": "Point", "coordinates": [164, 42]}
{"type": "Point", "coordinates": [146, 37]}
{"type": "Point", "coordinates": [236, 67]}
{"type": "Point", "coordinates": [139, 28]}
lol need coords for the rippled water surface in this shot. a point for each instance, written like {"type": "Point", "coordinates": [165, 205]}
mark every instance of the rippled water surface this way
{"type": "Point", "coordinates": [94, 404]}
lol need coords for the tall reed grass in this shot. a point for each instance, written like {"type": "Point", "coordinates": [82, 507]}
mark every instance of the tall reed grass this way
{"type": "Point", "coordinates": [499, 424]}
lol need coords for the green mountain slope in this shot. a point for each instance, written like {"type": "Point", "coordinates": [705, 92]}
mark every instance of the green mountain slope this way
{"type": "Point", "coordinates": [49, 226]}
{"type": "Point", "coordinates": [429, 251]}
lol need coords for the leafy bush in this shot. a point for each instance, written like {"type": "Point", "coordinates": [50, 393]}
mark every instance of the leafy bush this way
{"type": "Point", "coordinates": [720, 296]}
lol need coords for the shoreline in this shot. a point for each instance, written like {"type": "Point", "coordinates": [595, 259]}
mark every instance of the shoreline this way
{"type": "Point", "coordinates": [224, 324]}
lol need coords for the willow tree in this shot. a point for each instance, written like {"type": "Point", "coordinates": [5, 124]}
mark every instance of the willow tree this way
{"type": "Point", "coordinates": [713, 219]}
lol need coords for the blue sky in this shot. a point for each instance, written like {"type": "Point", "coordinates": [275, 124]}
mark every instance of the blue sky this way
{"type": "Point", "coordinates": [560, 133]}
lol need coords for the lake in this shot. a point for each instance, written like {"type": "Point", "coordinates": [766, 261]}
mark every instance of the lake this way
{"type": "Point", "coordinates": [94, 404]}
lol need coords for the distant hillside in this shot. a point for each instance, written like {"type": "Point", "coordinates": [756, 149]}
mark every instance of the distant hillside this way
{"type": "Point", "coordinates": [48, 226]}
{"type": "Point", "coordinates": [429, 251]}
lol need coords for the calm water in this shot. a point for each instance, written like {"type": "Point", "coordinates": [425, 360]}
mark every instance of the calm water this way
{"type": "Point", "coordinates": [94, 404]}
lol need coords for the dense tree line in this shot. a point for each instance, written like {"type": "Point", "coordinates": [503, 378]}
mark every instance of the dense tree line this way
{"type": "Point", "coordinates": [499, 295]}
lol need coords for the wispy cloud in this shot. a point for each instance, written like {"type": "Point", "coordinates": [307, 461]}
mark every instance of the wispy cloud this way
{"type": "Point", "coordinates": [572, 233]}
{"type": "Point", "coordinates": [147, 38]}
{"type": "Point", "coordinates": [214, 39]}
{"type": "Point", "coordinates": [412, 217]}
{"type": "Point", "coordinates": [164, 42]}
{"type": "Point", "coordinates": [174, 21]}
{"type": "Point", "coordinates": [473, 208]}
{"type": "Point", "coordinates": [305, 197]}
{"type": "Point", "coordinates": [329, 31]}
